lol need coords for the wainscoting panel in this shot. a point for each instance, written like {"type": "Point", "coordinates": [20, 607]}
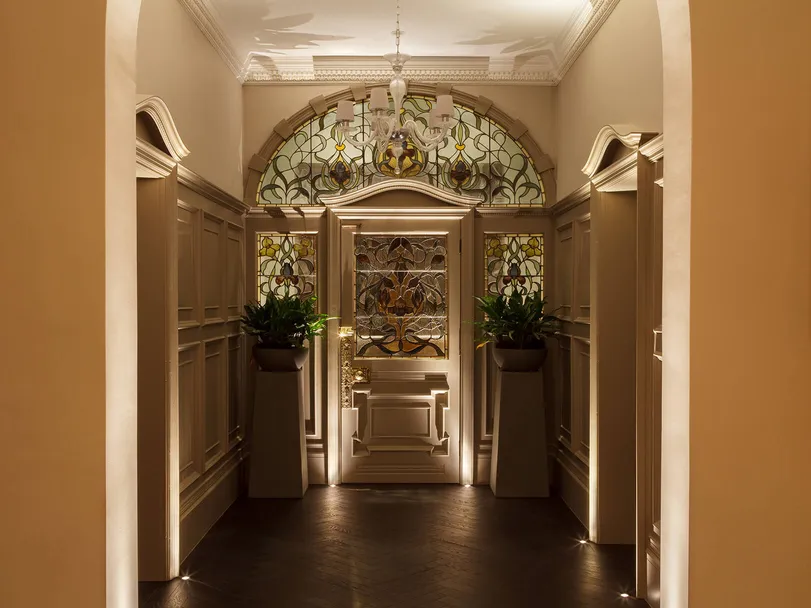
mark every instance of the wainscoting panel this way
{"type": "Point", "coordinates": [212, 367]}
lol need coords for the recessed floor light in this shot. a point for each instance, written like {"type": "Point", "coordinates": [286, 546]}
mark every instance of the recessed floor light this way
{"type": "Point", "coordinates": [332, 485]}
{"type": "Point", "coordinates": [624, 595]}
{"type": "Point", "coordinates": [583, 542]}
{"type": "Point", "coordinates": [467, 485]}
{"type": "Point", "coordinates": [185, 578]}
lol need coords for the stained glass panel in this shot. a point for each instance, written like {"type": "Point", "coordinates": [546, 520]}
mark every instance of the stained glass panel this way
{"type": "Point", "coordinates": [400, 296]}
{"type": "Point", "coordinates": [478, 158]}
{"type": "Point", "coordinates": [513, 262]}
{"type": "Point", "coordinates": [286, 264]}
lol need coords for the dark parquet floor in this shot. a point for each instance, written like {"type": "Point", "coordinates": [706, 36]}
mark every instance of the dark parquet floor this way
{"type": "Point", "coordinates": [398, 547]}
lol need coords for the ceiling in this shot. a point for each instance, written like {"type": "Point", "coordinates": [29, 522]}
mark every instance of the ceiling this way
{"type": "Point", "coordinates": [450, 40]}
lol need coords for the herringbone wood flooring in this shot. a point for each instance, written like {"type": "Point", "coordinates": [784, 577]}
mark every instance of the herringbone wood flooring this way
{"type": "Point", "coordinates": [398, 547]}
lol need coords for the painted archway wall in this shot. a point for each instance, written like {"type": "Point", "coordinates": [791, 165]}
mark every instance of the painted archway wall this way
{"type": "Point", "coordinates": [736, 453]}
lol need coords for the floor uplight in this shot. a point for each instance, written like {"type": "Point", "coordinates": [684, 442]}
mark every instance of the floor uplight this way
{"type": "Point", "coordinates": [624, 595]}
{"type": "Point", "coordinates": [185, 578]}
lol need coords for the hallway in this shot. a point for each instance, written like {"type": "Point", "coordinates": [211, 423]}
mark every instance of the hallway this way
{"type": "Point", "coordinates": [395, 546]}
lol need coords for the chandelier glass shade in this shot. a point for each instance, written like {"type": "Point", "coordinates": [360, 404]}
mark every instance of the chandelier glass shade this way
{"type": "Point", "coordinates": [387, 130]}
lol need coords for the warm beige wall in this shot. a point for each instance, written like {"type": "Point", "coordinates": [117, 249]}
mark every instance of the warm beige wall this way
{"type": "Point", "coordinates": [177, 62]}
{"type": "Point", "coordinates": [67, 518]}
{"type": "Point", "coordinates": [266, 105]}
{"type": "Point", "coordinates": [617, 80]}
{"type": "Point", "coordinates": [750, 259]}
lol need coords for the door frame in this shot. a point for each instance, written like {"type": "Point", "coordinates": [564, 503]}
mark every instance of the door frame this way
{"type": "Point", "coordinates": [446, 206]}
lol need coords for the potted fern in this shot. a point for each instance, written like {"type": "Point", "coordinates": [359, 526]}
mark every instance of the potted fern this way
{"type": "Point", "coordinates": [517, 326]}
{"type": "Point", "coordinates": [281, 325]}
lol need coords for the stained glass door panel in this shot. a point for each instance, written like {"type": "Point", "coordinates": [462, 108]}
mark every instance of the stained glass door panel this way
{"type": "Point", "coordinates": [401, 296]}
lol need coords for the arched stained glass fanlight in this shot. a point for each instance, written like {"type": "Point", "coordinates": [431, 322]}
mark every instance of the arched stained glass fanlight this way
{"type": "Point", "coordinates": [478, 158]}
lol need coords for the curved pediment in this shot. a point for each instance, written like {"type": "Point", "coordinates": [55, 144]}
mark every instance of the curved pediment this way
{"type": "Point", "coordinates": [393, 185]}
{"type": "Point", "coordinates": [612, 143]}
{"type": "Point", "coordinates": [161, 127]}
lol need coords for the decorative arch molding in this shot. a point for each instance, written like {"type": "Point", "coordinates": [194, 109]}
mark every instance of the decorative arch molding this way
{"type": "Point", "coordinates": [161, 118]}
{"type": "Point", "coordinates": [609, 139]}
{"type": "Point", "coordinates": [481, 105]}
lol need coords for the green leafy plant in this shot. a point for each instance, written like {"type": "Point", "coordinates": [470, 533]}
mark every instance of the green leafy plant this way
{"type": "Point", "coordinates": [284, 322]}
{"type": "Point", "coordinates": [515, 321]}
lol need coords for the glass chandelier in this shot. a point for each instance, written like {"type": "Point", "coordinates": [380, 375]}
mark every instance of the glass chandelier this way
{"type": "Point", "coordinates": [387, 128]}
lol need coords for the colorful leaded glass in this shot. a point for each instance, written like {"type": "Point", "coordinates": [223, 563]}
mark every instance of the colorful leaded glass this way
{"type": "Point", "coordinates": [286, 264]}
{"type": "Point", "coordinates": [478, 158]}
{"type": "Point", "coordinates": [513, 262]}
{"type": "Point", "coordinates": [400, 296]}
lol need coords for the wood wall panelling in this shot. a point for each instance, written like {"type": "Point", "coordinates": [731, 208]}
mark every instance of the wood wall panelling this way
{"type": "Point", "coordinates": [211, 293]}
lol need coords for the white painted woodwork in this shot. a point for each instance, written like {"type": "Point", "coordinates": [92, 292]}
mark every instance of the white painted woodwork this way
{"type": "Point", "coordinates": [404, 424]}
{"type": "Point", "coordinates": [158, 481]}
{"type": "Point", "coordinates": [649, 370]}
{"type": "Point", "coordinates": [211, 360]}
{"type": "Point", "coordinates": [612, 443]}
{"type": "Point", "coordinates": [571, 354]}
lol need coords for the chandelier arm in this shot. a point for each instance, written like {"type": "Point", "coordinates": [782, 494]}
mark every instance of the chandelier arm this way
{"type": "Point", "coordinates": [421, 140]}
{"type": "Point", "coordinates": [360, 143]}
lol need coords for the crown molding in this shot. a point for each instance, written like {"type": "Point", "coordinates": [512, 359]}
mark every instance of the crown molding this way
{"type": "Point", "coordinates": [205, 17]}
{"type": "Point", "coordinates": [347, 70]}
{"type": "Point", "coordinates": [581, 31]}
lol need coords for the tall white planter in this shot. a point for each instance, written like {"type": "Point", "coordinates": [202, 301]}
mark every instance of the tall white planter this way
{"type": "Point", "coordinates": [519, 466]}
{"type": "Point", "coordinates": [278, 463]}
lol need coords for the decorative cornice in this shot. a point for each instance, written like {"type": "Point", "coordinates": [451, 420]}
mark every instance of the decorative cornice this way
{"type": "Point", "coordinates": [631, 139]}
{"type": "Point", "coordinates": [158, 111]}
{"type": "Point", "coordinates": [581, 32]}
{"type": "Point", "coordinates": [258, 74]}
{"type": "Point", "coordinates": [351, 212]}
{"type": "Point", "coordinates": [620, 176]}
{"type": "Point", "coordinates": [205, 17]}
{"type": "Point", "coordinates": [389, 185]}
{"type": "Point", "coordinates": [151, 162]}
{"type": "Point", "coordinates": [263, 70]}
{"type": "Point", "coordinates": [654, 149]}
{"type": "Point", "coordinates": [196, 183]}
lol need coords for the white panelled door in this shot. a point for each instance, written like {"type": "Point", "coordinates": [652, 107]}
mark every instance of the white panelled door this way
{"type": "Point", "coordinates": [401, 297]}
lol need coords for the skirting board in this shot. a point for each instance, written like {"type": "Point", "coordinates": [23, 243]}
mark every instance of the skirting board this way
{"type": "Point", "coordinates": [654, 581]}
{"type": "Point", "coordinates": [316, 469]}
{"type": "Point", "coordinates": [482, 477]}
{"type": "Point", "coordinates": [572, 491]}
{"type": "Point", "coordinates": [197, 522]}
